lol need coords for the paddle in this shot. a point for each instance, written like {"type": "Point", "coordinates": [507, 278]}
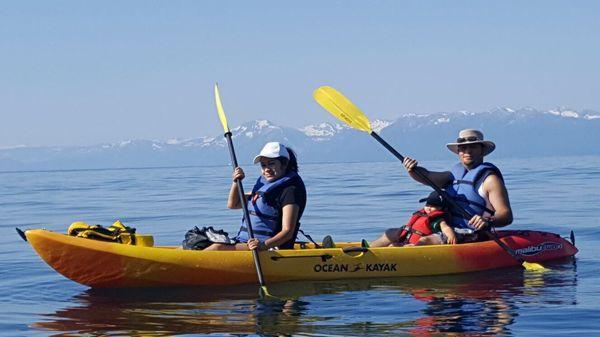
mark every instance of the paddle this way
{"type": "Point", "coordinates": [240, 188]}
{"type": "Point", "coordinates": [341, 107]}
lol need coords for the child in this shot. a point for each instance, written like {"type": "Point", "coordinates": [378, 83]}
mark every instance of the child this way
{"type": "Point", "coordinates": [428, 226]}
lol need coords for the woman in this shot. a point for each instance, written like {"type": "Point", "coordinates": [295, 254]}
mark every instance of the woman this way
{"type": "Point", "coordinates": [275, 205]}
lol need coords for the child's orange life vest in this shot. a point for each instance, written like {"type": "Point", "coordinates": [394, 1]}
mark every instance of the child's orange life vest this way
{"type": "Point", "coordinates": [419, 226]}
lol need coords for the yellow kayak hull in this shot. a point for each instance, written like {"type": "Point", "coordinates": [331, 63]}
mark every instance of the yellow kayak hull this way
{"type": "Point", "coordinates": [102, 264]}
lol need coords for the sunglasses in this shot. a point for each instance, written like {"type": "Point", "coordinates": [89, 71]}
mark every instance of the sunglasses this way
{"type": "Point", "coordinates": [467, 139]}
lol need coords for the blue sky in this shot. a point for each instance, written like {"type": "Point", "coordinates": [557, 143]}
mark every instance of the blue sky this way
{"type": "Point", "coordinates": [79, 72]}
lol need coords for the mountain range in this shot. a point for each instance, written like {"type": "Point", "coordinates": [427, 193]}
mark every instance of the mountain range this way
{"type": "Point", "coordinates": [524, 132]}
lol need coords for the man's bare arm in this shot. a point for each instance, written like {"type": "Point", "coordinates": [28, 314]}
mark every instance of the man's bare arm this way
{"type": "Point", "coordinates": [440, 179]}
{"type": "Point", "coordinates": [498, 196]}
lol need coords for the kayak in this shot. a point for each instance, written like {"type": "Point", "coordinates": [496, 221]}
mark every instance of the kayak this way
{"type": "Point", "coordinates": [101, 264]}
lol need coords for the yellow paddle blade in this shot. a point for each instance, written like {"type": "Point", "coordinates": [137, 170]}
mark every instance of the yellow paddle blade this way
{"type": "Point", "coordinates": [220, 109]}
{"type": "Point", "coordinates": [266, 295]}
{"type": "Point", "coordinates": [532, 266]}
{"type": "Point", "coordinates": [342, 108]}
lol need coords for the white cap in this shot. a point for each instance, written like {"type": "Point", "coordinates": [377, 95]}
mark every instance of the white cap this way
{"type": "Point", "coordinates": [272, 150]}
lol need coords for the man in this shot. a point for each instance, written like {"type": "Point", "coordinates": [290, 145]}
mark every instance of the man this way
{"type": "Point", "coordinates": [475, 185]}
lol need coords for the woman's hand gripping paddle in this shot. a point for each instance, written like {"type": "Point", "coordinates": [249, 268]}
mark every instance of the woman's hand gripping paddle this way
{"type": "Point", "coordinates": [341, 107]}
{"type": "Point", "coordinates": [240, 188]}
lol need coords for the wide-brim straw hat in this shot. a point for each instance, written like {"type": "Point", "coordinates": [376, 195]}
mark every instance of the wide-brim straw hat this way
{"type": "Point", "coordinates": [472, 136]}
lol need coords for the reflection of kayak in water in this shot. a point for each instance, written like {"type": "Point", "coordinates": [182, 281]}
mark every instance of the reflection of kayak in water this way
{"type": "Point", "coordinates": [404, 305]}
{"type": "Point", "coordinates": [103, 264]}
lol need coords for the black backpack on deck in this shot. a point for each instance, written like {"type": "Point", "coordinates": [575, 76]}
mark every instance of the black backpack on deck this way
{"type": "Point", "coordinates": [198, 239]}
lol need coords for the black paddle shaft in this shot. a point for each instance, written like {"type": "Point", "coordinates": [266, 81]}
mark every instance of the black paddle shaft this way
{"type": "Point", "coordinates": [242, 197]}
{"type": "Point", "coordinates": [240, 187]}
{"type": "Point", "coordinates": [419, 172]}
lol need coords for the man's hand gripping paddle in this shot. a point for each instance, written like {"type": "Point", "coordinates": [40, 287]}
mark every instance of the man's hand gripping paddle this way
{"type": "Point", "coordinates": [342, 108]}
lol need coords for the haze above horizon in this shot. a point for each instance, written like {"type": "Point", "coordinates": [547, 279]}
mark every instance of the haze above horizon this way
{"type": "Point", "coordinates": [81, 73]}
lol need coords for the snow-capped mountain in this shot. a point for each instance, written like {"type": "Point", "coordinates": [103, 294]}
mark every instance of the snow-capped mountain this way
{"type": "Point", "coordinates": [517, 133]}
{"type": "Point", "coordinates": [322, 131]}
{"type": "Point", "coordinates": [326, 131]}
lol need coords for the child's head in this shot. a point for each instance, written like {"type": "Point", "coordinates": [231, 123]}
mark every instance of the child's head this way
{"type": "Point", "coordinates": [434, 202]}
{"type": "Point", "coordinates": [429, 208]}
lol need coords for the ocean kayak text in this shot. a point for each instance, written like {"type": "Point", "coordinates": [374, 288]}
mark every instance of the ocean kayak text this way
{"type": "Point", "coordinates": [343, 267]}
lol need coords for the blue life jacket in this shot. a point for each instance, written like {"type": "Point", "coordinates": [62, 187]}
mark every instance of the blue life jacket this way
{"type": "Point", "coordinates": [463, 189]}
{"type": "Point", "coordinates": [264, 209]}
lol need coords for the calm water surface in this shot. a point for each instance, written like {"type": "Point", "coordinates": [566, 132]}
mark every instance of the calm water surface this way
{"type": "Point", "coordinates": [349, 201]}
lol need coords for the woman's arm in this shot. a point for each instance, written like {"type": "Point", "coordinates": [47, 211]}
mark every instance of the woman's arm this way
{"type": "Point", "coordinates": [288, 227]}
{"type": "Point", "coordinates": [233, 201]}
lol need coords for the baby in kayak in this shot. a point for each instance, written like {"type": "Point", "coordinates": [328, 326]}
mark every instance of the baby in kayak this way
{"type": "Point", "coordinates": [427, 226]}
